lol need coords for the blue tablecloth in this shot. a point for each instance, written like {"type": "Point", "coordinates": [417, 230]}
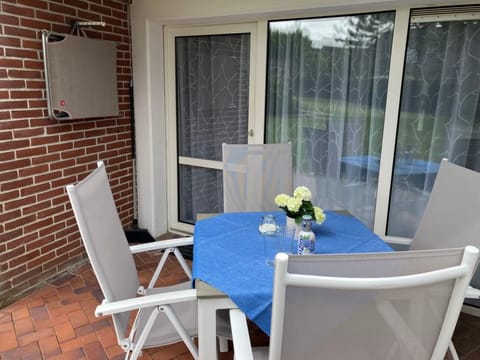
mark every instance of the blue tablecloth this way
{"type": "Point", "coordinates": [229, 255]}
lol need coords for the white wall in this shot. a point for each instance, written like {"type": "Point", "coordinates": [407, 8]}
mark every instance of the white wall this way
{"type": "Point", "coordinates": [147, 19]}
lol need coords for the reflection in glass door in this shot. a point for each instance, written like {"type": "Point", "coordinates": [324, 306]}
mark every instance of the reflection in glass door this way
{"type": "Point", "coordinates": [212, 107]}
{"type": "Point", "coordinates": [439, 114]}
{"type": "Point", "coordinates": [326, 93]}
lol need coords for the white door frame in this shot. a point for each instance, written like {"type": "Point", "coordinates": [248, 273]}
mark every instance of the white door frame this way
{"type": "Point", "coordinates": [255, 106]}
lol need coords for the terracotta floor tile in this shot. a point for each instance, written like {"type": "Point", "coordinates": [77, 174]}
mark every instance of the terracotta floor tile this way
{"type": "Point", "coordinates": [5, 316]}
{"type": "Point", "coordinates": [39, 313]}
{"type": "Point", "coordinates": [49, 347]}
{"type": "Point", "coordinates": [30, 352]}
{"type": "Point", "coordinates": [76, 354]}
{"type": "Point", "coordinates": [21, 313]}
{"type": "Point", "coordinates": [59, 319]}
{"type": "Point", "coordinates": [100, 324]}
{"type": "Point", "coordinates": [114, 351]}
{"type": "Point", "coordinates": [40, 324]}
{"type": "Point", "coordinates": [66, 308]}
{"type": "Point", "coordinates": [169, 351]}
{"type": "Point", "coordinates": [35, 336]}
{"type": "Point", "coordinates": [95, 351]}
{"type": "Point", "coordinates": [36, 302]}
{"type": "Point", "coordinates": [107, 337]}
{"type": "Point", "coordinates": [89, 338]}
{"type": "Point", "coordinates": [78, 318]}
{"type": "Point", "coordinates": [13, 354]}
{"type": "Point", "coordinates": [7, 327]}
{"type": "Point", "coordinates": [70, 345]}
{"type": "Point", "coordinates": [8, 341]}
{"type": "Point", "coordinates": [23, 326]}
{"type": "Point", "coordinates": [84, 330]}
{"type": "Point", "coordinates": [64, 332]}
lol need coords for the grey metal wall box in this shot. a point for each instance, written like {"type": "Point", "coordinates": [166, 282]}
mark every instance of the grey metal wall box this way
{"type": "Point", "coordinates": [80, 75]}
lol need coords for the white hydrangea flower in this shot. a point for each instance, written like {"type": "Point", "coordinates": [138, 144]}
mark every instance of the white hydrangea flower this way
{"type": "Point", "coordinates": [281, 200]}
{"type": "Point", "coordinates": [302, 193]}
{"type": "Point", "coordinates": [319, 215]}
{"type": "Point", "coordinates": [294, 204]}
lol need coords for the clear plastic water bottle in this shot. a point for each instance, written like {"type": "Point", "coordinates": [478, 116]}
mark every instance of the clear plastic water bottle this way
{"type": "Point", "coordinates": [306, 238]}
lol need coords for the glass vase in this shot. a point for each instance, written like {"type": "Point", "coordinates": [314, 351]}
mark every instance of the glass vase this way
{"type": "Point", "coordinates": [298, 226]}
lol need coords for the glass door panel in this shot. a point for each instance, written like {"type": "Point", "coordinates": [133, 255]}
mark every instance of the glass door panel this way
{"type": "Point", "coordinates": [212, 107]}
{"type": "Point", "coordinates": [439, 113]}
{"type": "Point", "coordinates": [326, 93]}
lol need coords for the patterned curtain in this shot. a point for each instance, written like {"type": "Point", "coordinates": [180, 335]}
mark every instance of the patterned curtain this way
{"type": "Point", "coordinates": [440, 114]}
{"type": "Point", "coordinates": [212, 82]}
{"type": "Point", "coordinates": [326, 93]}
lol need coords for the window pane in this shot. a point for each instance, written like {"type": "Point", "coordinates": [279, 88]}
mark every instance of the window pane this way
{"type": "Point", "coordinates": [326, 93]}
{"type": "Point", "coordinates": [201, 191]}
{"type": "Point", "coordinates": [439, 114]}
{"type": "Point", "coordinates": [212, 80]}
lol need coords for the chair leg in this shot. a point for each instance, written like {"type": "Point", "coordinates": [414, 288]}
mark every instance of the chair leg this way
{"type": "Point", "coordinates": [143, 336]}
{"type": "Point", "coordinates": [453, 351]}
{"type": "Point", "coordinates": [240, 336]}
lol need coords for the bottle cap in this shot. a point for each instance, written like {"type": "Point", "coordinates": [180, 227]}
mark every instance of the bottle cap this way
{"type": "Point", "coordinates": [307, 217]}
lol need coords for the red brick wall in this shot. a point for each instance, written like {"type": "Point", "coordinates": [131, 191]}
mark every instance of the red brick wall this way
{"type": "Point", "coordinates": [38, 156]}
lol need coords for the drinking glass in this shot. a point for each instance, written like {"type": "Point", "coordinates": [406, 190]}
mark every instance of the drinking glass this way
{"type": "Point", "coordinates": [268, 225]}
{"type": "Point", "coordinates": [289, 243]}
{"type": "Point", "coordinates": [272, 237]}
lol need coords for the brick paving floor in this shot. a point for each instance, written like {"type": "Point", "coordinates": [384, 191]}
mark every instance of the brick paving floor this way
{"type": "Point", "coordinates": [58, 322]}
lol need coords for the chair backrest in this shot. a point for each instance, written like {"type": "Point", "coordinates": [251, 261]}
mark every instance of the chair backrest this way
{"type": "Point", "coordinates": [104, 240]}
{"type": "Point", "coordinates": [399, 305]}
{"type": "Point", "coordinates": [253, 174]}
{"type": "Point", "coordinates": [451, 217]}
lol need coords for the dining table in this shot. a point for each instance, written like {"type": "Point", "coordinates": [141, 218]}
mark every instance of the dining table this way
{"type": "Point", "coordinates": [229, 268]}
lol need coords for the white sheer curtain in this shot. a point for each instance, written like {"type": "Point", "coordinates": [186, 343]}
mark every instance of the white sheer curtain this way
{"type": "Point", "coordinates": [326, 93]}
{"type": "Point", "coordinates": [440, 114]}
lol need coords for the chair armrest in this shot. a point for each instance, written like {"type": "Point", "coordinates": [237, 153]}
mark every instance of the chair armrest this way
{"type": "Point", "coordinates": [161, 244]}
{"type": "Point", "coordinates": [472, 293]}
{"type": "Point", "coordinates": [241, 340]}
{"type": "Point", "coordinates": [171, 297]}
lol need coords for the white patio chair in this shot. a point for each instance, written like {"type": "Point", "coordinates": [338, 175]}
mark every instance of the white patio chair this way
{"type": "Point", "coordinates": [451, 217]}
{"type": "Point", "coordinates": [379, 306]}
{"type": "Point", "coordinates": [253, 174]}
{"type": "Point", "coordinates": [165, 315]}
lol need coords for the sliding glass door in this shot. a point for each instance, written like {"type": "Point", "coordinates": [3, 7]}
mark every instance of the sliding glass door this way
{"type": "Point", "coordinates": [439, 113]}
{"type": "Point", "coordinates": [351, 115]}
